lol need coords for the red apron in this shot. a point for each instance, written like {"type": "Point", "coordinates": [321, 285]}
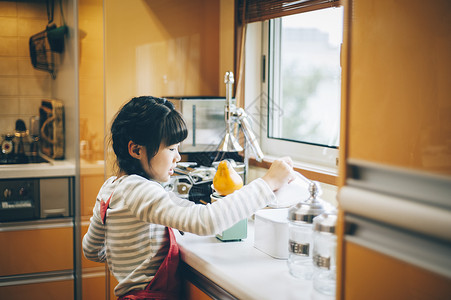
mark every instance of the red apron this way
{"type": "Point", "coordinates": [166, 284]}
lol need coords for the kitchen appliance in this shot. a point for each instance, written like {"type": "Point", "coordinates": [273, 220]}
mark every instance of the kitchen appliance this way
{"type": "Point", "coordinates": [204, 117]}
{"type": "Point", "coordinates": [194, 182]}
{"type": "Point", "coordinates": [51, 122]}
{"type": "Point", "coordinates": [35, 198]}
{"type": "Point", "coordinates": [21, 141]}
{"type": "Point", "coordinates": [191, 182]}
{"type": "Point", "coordinates": [271, 232]}
{"type": "Point", "coordinates": [20, 149]}
{"type": "Point", "coordinates": [7, 155]}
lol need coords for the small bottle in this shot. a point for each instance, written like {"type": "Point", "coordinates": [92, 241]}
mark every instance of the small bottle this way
{"type": "Point", "coordinates": [8, 148]}
{"type": "Point", "coordinates": [324, 253]}
{"type": "Point", "coordinates": [300, 233]}
{"type": "Point", "coordinates": [22, 143]}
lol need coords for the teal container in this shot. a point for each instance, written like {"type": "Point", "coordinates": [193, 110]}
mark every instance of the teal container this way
{"type": "Point", "coordinates": [235, 233]}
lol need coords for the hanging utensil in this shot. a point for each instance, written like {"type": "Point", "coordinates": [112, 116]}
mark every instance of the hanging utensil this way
{"type": "Point", "coordinates": [44, 44]}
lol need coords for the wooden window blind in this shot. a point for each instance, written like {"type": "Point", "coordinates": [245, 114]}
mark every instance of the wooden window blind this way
{"type": "Point", "coordinates": [259, 10]}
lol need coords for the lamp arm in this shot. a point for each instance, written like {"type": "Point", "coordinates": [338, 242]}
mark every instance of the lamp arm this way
{"type": "Point", "coordinates": [249, 134]}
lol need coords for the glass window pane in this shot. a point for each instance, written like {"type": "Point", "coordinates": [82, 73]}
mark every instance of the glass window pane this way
{"type": "Point", "coordinates": [306, 77]}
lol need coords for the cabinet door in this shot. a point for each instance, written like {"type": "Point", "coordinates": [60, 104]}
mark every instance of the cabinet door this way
{"type": "Point", "coordinates": [93, 274]}
{"type": "Point", "coordinates": [89, 186]}
{"type": "Point", "coordinates": [94, 286]}
{"type": "Point", "coordinates": [36, 250]}
{"type": "Point", "coordinates": [112, 284]}
{"type": "Point", "coordinates": [371, 275]}
{"type": "Point", "coordinates": [399, 93]}
{"type": "Point", "coordinates": [194, 293]}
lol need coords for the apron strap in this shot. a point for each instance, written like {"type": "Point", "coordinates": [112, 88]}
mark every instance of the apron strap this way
{"type": "Point", "coordinates": [103, 208]}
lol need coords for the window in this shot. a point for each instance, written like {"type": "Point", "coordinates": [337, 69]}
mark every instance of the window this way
{"type": "Point", "coordinates": [299, 100]}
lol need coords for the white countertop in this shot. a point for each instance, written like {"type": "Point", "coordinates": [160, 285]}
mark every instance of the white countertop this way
{"type": "Point", "coordinates": [55, 168]}
{"type": "Point", "coordinates": [242, 270]}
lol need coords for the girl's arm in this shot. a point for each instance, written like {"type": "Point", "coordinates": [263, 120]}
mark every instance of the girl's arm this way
{"type": "Point", "coordinates": [149, 202]}
{"type": "Point", "coordinates": [94, 239]}
{"type": "Point", "coordinates": [180, 201]}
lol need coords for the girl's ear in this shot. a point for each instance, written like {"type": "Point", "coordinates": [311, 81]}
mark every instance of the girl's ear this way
{"type": "Point", "coordinates": [135, 150]}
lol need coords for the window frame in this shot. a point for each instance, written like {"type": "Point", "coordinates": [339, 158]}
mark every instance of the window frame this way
{"type": "Point", "coordinates": [258, 64]}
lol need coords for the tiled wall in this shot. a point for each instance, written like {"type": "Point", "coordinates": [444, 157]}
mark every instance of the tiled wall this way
{"type": "Point", "coordinates": [21, 86]}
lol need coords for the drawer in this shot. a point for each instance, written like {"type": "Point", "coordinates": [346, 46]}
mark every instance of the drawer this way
{"type": "Point", "coordinates": [36, 247]}
{"type": "Point", "coordinates": [371, 275]}
{"type": "Point", "coordinates": [52, 290]}
{"type": "Point", "coordinates": [93, 286]}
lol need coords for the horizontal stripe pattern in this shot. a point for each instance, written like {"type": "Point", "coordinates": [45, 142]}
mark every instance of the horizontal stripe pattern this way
{"type": "Point", "coordinates": [134, 240]}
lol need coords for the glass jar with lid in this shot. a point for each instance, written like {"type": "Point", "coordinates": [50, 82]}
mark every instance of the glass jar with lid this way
{"type": "Point", "coordinates": [324, 253]}
{"type": "Point", "coordinates": [300, 234]}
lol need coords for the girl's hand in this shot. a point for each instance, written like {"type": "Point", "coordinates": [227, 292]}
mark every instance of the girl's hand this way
{"type": "Point", "coordinates": [280, 172]}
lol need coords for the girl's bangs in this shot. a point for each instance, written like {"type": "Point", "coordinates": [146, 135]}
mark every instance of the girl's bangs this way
{"type": "Point", "coordinates": [174, 129]}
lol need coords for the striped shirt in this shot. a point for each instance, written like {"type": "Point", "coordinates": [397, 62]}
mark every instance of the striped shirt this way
{"type": "Point", "coordinates": [134, 240]}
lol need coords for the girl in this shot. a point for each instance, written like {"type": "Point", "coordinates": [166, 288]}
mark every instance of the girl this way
{"type": "Point", "coordinates": [131, 226]}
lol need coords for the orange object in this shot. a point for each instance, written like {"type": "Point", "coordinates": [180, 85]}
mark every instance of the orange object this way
{"type": "Point", "coordinates": [226, 179]}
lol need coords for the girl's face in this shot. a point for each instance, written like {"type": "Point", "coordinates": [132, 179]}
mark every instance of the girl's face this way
{"type": "Point", "coordinates": [161, 166]}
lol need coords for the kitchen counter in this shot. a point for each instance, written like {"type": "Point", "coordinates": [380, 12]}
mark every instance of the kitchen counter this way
{"type": "Point", "coordinates": [242, 270]}
{"type": "Point", "coordinates": [54, 168]}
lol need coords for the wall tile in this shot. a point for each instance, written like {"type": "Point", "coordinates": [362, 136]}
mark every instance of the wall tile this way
{"type": "Point", "coordinates": [9, 86]}
{"type": "Point", "coordinates": [8, 46]}
{"type": "Point", "coordinates": [26, 68]}
{"type": "Point", "coordinates": [29, 27]}
{"type": "Point", "coordinates": [8, 9]}
{"type": "Point", "coordinates": [7, 124]}
{"type": "Point", "coordinates": [9, 106]}
{"type": "Point", "coordinates": [36, 86]}
{"type": "Point", "coordinates": [23, 48]}
{"type": "Point", "coordinates": [32, 10]}
{"type": "Point", "coordinates": [29, 106]}
{"type": "Point", "coordinates": [9, 66]}
{"type": "Point", "coordinates": [8, 26]}
{"type": "Point", "coordinates": [21, 86]}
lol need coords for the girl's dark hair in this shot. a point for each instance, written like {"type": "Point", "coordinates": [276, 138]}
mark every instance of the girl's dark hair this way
{"type": "Point", "coordinates": [147, 121]}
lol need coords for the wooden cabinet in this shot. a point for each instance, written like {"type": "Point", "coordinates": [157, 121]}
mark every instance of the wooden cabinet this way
{"type": "Point", "coordinates": [397, 103]}
{"type": "Point", "coordinates": [37, 250]}
{"type": "Point", "coordinates": [194, 293]}
{"type": "Point", "coordinates": [94, 285]}
{"type": "Point", "coordinates": [54, 290]}
{"type": "Point", "coordinates": [94, 279]}
{"type": "Point", "coordinates": [398, 91]}
{"type": "Point", "coordinates": [89, 187]}
{"type": "Point", "coordinates": [371, 275]}
{"type": "Point", "coordinates": [36, 260]}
